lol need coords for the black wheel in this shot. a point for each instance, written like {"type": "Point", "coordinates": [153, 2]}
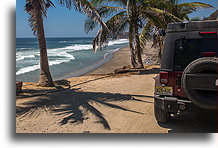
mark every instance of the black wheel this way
{"type": "Point", "coordinates": [161, 115]}
{"type": "Point", "coordinates": [206, 99]}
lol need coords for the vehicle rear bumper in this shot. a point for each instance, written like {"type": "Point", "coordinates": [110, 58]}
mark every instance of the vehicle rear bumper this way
{"type": "Point", "coordinates": [172, 104]}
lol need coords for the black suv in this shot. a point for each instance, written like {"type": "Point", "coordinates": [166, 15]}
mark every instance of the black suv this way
{"type": "Point", "coordinates": [189, 67]}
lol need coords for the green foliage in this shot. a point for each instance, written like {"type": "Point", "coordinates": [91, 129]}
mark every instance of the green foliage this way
{"type": "Point", "coordinates": [120, 13]}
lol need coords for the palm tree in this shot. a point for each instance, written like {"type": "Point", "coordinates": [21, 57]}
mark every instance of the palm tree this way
{"type": "Point", "coordinates": [131, 14]}
{"type": "Point", "coordinates": [37, 9]}
{"type": "Point", "coordinates": [182, 10]}
{"type": "Point", "coordinates": [179, 10]}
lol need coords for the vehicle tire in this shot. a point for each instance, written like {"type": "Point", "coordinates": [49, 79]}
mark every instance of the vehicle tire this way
{"type": "Point", "coordinates": [160, 115]}
{"type": "Point", "coordinates": [201, 98]}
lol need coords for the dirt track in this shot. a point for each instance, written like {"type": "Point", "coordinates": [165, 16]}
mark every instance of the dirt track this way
{"type": "Point", "coordinates": [102, 104]}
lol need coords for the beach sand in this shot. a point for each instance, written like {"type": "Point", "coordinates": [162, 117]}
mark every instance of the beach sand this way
{"type": "Point", "coordinates": [121, 58]}
{"type": "Point", "coordinates": [99, 102]}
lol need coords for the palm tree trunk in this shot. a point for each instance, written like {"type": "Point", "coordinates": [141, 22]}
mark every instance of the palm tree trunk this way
{"type": "Point", "coordinates": [138, 46]}
{"type": "Point", "coordinates": [160, 44]}
{"type": "Point", "coordinates": [45, 76]}
{"type": "Point", "coordinates": [136, 35]}
{"type": "Point", "coordinates": [132, 50]}
{"type": "Point", "coordinates": [129, 8]}
{"type": "Point", "coordinates": [133, 22]}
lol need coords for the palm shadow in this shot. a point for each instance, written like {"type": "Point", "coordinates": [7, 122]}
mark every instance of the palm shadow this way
{"type": "Point", "coordinates": [150, 71]}
{"type": "Point", "coordinates": [26, 93]}
{"type": "Point", "coordinates": [59, 86]}
{"type": "Point", "coordinates": [73, 105]}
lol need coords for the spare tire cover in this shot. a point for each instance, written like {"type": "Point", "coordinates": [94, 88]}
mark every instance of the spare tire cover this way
{"type": "Point", "coordinates": [198, 66]}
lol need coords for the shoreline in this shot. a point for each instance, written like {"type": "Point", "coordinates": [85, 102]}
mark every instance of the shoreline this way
{"type": "Point", "coordinates": [120, 58]}
{"type": "Point", "coordinates": [106, 65]}
{"type": "Point", "coordinates": [66, 56]}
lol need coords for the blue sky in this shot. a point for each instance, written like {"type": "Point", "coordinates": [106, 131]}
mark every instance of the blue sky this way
{"type": "Point", "coordinates": [64, 23]}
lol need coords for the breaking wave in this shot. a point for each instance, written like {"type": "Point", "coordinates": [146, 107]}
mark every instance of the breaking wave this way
{"type": "Point", "coordinates": [24, 57]}
{"type": "Point", "coordinates": [57, 55]}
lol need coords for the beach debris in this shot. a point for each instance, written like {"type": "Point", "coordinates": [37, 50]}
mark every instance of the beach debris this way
{"type": "Point", "coordinates": [62, 83]}
{"type": "Point", "coordinates": [19, 85]}
{"type": "Point", "coordinates": [124, 69]}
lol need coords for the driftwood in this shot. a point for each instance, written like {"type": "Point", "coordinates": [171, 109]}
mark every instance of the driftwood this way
{"type": "Point", "coordinates": [19, 85]}
{"type": "Point", "coordinates": [124, 69]}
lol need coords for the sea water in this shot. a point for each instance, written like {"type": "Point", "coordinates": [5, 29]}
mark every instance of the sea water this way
{"type": "Point", "coordinates": [66, 56]}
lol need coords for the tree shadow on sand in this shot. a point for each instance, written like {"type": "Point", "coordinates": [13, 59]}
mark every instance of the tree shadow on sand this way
{"type": "Point", "coordinates": [73, 105]}
{"type": "Point", "coordinates": [26, 93]}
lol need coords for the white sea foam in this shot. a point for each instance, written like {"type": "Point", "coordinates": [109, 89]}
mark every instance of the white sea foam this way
{"type": "Point", "coordinates": [24, 57]}
{"type": "Point", "coordinates": [115, 50]}
{"type": "Point", "coordinates": [65, 41]}
{"type": "Point", "coordinates": [119, 41]}
{"type": "Point", "coordinates": [77, 47]}
{"type": "Point", "coordinates": [63, 54]}
{"type": "Point", "coordinates": [27, 69]}
{"type": "Point", "coordinates": [110, 52]}
{"type": "Point", "coordinates": [36, 67]}
{"type": "Point", "coordinates": [64, 57]}
{"type": "Point", "coordinates": [105, 56]}
{"type": "Point", "coordinates": [56, 62]}
{"type": "Point", "coordinates": [22, 48]}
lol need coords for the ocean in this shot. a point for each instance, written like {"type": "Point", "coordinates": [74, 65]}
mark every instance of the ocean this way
{"type": "Point", "coordinates": [67, 57]}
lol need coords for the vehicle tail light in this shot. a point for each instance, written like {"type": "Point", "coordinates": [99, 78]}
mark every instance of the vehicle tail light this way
{"type": "Point", "coordinates": [208, 54]}
{"type": "Point", "coordinates": [164, 77]}
{"type": "Point", "coordinates": [202, 33]}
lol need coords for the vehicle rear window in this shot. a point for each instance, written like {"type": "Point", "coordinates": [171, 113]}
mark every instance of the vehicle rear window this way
{"type": "Point", "coordinates": [187, 50]}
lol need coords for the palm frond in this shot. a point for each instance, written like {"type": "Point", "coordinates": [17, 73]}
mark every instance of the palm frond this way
{"type": "Point", "coordinates": [155, 20]}
{"type": "Point", "coordinates": [30, 7]}
{"type": "Point", "coordinates": [122, 27]}
{"type": "Point", "coordinates": [111, 2]}
{"type": "Point", "coordinates": [194, 5]}
{"type": "Point", "coordinates": [165, 13]}
{"type": "Point", "coordinates": [89, 25]}
{"type": "Point", "coordinates": [104, 11]}
{"type": "Point", "coordinates": [100, 40]}
{"type": "Point", "coordinates": [114, 20]}
{"type": "Point", "coordinates": [146, 34]}
{"type": "Point", "coordinates": [107, 11]}
{"type": "Point", "coordinates": [32, 22]}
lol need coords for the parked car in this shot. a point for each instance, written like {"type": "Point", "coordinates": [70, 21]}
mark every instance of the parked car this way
{"type": "Point", "coordinates": [189, 68]}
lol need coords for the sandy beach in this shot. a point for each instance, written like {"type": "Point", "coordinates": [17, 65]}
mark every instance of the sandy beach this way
{"type": "Point", "coordinates": [120, 58]}
{"type": "Point", "coordinates": [100, 102]}
{"type": "Point", "coordinates": [114, 60]}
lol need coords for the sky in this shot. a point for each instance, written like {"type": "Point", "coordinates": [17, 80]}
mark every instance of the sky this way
{"type": "Point", "coordinates": [62, 22]}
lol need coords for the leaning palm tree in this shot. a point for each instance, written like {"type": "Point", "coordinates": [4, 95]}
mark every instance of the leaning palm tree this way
{"type": "Point", "coordinates": [37, 10]}
{"type": "Point", "coordinates": [150, 15]}
{"type": "Point", "coordinates": [128, 15]}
